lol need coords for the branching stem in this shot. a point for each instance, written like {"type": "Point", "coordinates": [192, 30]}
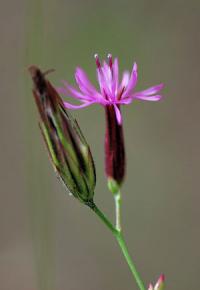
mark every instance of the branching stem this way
{"type": "Point", "coordinates": [119, 237]}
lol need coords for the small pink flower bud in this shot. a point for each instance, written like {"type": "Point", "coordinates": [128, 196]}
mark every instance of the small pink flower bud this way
{"type": "Point", "coordinates": [150, 287]}
{"type": "Point", "coordinates": [160, 283]}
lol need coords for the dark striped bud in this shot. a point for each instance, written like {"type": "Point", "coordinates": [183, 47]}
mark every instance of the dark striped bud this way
{"type": "Point", "coordinates": [67, 147]}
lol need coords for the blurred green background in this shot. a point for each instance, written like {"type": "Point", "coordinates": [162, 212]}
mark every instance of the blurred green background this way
{"type": "Point", "coordinates": [48, 240]}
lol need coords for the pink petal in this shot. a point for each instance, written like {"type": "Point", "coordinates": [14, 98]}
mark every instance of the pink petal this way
{"type": "Point", "coordinates": [116, 72]}
{"type": "Point", "coordinates": [132, 81]}
{"type": "Point", "coordinates": [108, 77]}
{"type": "Point", "coordinates": [152, 90]}
{"type": "Point", "coordinates": [84, 83]}
{"type": "Point", "coordinates": [146, 98]}
{"type": "Point", "coordinates": [115, 77]}
{"type": "Point", "coordinates": [126, 101]}
{"type": "Point", "coordinates": [105, 90]}
{"type": "Point", "coordinates": [106, 70]}
{"type": "Point", "coordinates": [118, 114]}
{"type": "Point", "coordinates": [125, 80]}
{"type": "Point", "coordinates": [76, 107]}
{"type": "Point", "coordinates": [76, 94]}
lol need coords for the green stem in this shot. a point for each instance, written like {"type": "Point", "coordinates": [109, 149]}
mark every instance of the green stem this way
{"type": "Point", "coordinates": [118, 235]}
{"type": "Point", "coordinates": [117, 198]}
{"type": "Point", "coordinates": [130, 262]}
{"type": "Point", "coordinates": [103, 218]}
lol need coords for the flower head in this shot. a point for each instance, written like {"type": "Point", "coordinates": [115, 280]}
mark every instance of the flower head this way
{"type": "Point", "coordinates": [67, 147]}
{"type": "Point", "coordinates": [112, 91]}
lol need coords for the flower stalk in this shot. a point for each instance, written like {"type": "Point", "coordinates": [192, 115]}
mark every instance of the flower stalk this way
{"type": "Point", "coordinates": [130, 262]}
{"type": "Point", "coordinates": [120, 239]}
{"type": "Point", "coordinates": [117, 198]}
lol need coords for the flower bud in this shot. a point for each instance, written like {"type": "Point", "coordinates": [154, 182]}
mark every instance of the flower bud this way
{"type": "Point", "coordinates": [150, 287]}
{"type": "Point", "coordinates": [67, 147]}
{"type": "Point", "coordinates": [114, 147]}
{"type": "Point", "coordinates": [159, 284]}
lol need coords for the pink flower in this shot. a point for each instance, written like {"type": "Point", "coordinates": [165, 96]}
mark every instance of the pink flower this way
{"type": "Point", "coordinates": [112, 92]}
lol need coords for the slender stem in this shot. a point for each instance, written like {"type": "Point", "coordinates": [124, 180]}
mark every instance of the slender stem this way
{"type": "Point", "coordinates": [105, 220]}
{"type": "Point", "coordinates": [130, 262]}
{"type": "Point", "coordinates": [117, 197]}
{"type": "Point", "coordinates": [118, 235]}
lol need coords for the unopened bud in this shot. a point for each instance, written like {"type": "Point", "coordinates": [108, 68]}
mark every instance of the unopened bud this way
{"type": "Point", "coordinates": [67, 147]}
{"type": "Point", "coordinates": [150, 287]}
{"type": "Point", "coordinates": [159, 284]}
{"type": "Point", "coordinates": [114, 147]}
